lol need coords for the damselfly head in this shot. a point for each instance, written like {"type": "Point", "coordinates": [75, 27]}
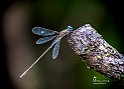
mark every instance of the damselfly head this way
{"type": "Point", "coordinates": [69, 28]}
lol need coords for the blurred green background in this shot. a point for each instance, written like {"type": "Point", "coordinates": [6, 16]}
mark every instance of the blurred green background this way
{"type": "Point", "coordinates": [67, 71]}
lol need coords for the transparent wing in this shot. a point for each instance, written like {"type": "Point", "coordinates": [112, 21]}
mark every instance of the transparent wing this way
{"type": "Point", "coordinates": [43, 31]}
{"type": "Point", "coordinates": [45, 39]}
{"type": "Point", "coordinates": [56, 50]}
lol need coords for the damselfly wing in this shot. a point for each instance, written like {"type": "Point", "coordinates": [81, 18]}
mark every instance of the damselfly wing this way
{"type": "Point", "coordinates": [45, 39]}
{"type": "Point", "coordinates": [43, 31]}
{"type": "Point", "coordinates": [48, 35]}
{"type": "Point", "coordinates": [56, 50]}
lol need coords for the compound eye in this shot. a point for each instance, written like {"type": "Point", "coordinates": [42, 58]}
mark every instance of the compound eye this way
{"type": "Point", "coordinates": [69, 28]}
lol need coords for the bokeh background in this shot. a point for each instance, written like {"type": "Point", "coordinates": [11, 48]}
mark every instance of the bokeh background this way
{"type": "Point", "coordinates": [19, 51]}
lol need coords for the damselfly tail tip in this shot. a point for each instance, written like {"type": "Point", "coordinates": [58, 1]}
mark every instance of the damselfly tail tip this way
{"type": "Point", "coordinates": [21, 75]}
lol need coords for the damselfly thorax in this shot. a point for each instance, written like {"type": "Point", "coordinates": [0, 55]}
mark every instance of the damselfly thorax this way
{"type": "Point", "coordinates": [63, 33]}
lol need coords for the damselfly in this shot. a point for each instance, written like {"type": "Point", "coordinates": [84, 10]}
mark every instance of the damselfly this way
{"type": "Point", "coordinates": [47, 36]}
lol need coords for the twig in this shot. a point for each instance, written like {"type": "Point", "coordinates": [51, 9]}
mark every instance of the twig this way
{"type": "Point", "coordinates": [96, 52]}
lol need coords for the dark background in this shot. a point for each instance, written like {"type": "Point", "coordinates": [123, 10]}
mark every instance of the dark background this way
{"type": "Point", "coordinates": [110, 26]}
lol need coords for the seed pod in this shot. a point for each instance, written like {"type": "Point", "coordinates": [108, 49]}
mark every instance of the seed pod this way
{"type": "Point", "coordinates": [96, 52]}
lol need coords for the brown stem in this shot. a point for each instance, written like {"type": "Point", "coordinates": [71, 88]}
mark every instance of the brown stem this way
{"type": "Point", "coordinates": [96, 52]}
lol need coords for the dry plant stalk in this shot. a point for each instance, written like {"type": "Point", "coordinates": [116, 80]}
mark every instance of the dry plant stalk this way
{"type": "Point", "coordinates": [96, 52]}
